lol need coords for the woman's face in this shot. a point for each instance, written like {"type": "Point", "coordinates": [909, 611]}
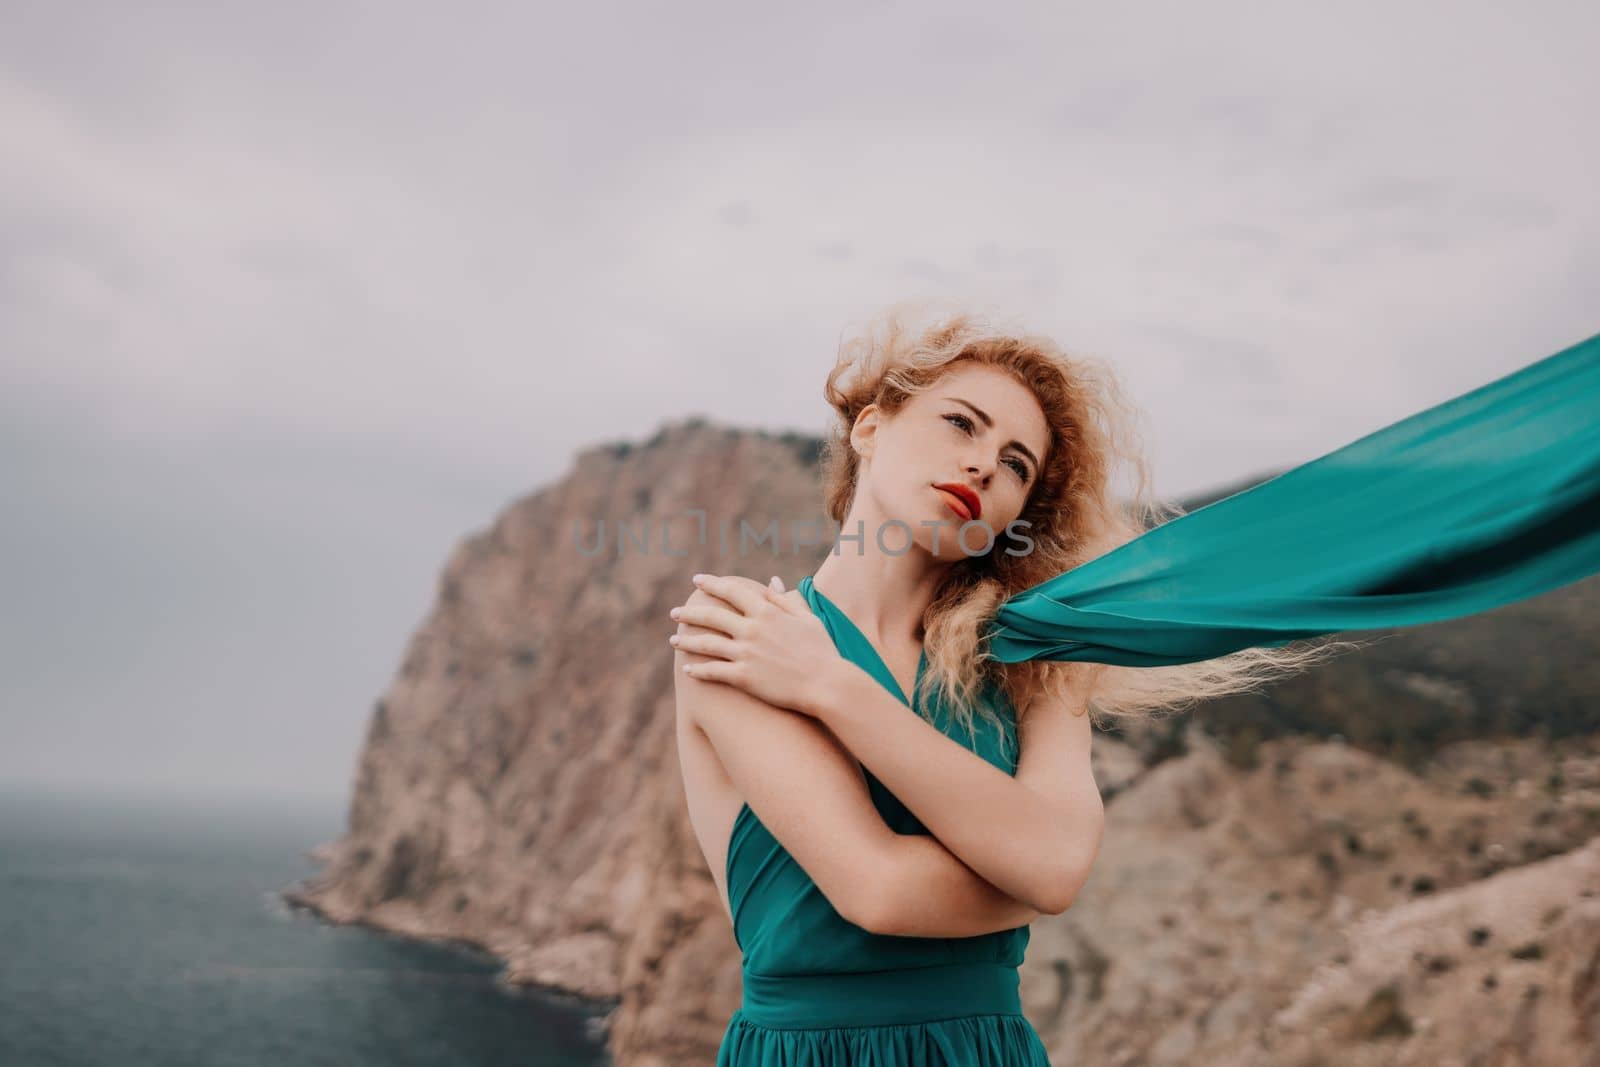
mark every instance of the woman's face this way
{"type": "Point", "coordinates": [978, 428]}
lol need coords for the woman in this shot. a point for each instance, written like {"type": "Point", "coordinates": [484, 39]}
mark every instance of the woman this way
{"type": "Point", "coordinates": [882, 914]}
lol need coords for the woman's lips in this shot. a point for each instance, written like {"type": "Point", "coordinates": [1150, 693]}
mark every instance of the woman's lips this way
{"type": "Point", "coordinates": [955, 503]}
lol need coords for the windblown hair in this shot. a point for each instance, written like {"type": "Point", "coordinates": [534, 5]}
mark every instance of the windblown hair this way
{"type": "Point", "coordinates": [1072, 513]}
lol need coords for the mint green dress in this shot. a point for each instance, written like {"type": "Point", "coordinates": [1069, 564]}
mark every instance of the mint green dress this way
{"type": "Point", "coordinates": [820, 991]}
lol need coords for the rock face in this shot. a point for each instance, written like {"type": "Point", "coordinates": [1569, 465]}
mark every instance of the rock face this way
{"type": "Point", "coordinates": [519, 786]}
{"type": "Point", "coordinates": [1329, 907]}
{"type": "Point", "coordinates": [1262, 896]}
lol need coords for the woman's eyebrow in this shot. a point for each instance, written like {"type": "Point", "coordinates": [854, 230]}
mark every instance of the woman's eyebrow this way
{"type": "Point", "coordinates": [988, 422]}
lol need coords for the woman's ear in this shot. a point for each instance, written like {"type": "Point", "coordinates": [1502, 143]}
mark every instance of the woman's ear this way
{"type": "Point", "coordinates": [864, 432]}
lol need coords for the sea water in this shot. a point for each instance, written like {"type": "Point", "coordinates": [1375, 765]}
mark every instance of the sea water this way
{"type": "Point", "coordinates": [148, 930]}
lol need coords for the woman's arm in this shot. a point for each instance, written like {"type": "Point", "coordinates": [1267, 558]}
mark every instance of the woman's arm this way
{"type": "Point", "coordinates": [807, 789]}
{"type": "Point", "coordinates": [927, 892]}
{"type": "Point", "coordinates": [1033, 835]}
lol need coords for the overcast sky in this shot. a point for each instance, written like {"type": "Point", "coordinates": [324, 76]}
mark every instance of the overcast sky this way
{"type": "Point", "coordinates": [293, 296]}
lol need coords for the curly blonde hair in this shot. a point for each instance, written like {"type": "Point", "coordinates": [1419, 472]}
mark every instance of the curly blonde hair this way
{"type": "Point", "coordinates": [1072, 513]}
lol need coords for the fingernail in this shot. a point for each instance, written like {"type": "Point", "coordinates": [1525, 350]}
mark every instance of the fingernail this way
{"type": "Point", "coordinates": [673, 613]}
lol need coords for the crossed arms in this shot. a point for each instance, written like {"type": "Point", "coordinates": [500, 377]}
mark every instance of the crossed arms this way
{"type": "Point", "coordinates": [805, 786]}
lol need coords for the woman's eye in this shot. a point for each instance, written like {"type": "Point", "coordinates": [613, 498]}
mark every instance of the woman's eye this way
{"type": "Point", "coordinates": [966, 425]}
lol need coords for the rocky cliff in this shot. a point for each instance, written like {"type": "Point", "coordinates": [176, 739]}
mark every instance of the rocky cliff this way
{"type": "Point", "coordinates": [1394, 859]}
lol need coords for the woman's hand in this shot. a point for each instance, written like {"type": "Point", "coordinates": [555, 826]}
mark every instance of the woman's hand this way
{"type": "Point", "coordinates": [767, 642]}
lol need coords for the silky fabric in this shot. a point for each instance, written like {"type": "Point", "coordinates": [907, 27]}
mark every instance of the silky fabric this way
{"type": "Point", "coordinates": [820, 991]}
{"type": "Point", "coordinates": [1488, 498]}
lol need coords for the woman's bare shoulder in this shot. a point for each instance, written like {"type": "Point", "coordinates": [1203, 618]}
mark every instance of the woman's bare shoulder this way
{"type": "Point", "coordinates": [805, 787]}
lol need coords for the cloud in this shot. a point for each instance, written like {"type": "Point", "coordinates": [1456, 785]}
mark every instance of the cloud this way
{"type": "Point", "coordinates": [277, 282]}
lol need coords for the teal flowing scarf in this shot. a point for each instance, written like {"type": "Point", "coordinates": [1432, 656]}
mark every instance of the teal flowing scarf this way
{"type": "Point", "coordinates": [1485, 499]}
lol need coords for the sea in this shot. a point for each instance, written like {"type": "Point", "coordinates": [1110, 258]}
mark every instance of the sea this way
{"type": "Point", "coordinates": [147, 929]}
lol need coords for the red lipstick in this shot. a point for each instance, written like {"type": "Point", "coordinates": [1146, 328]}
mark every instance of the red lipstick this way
{"type": "Point", "coordinates": [963, 493]}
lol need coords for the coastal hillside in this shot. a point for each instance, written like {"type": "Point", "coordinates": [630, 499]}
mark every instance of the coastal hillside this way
{"type": "Point", "coordinates": [1393, 858]}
